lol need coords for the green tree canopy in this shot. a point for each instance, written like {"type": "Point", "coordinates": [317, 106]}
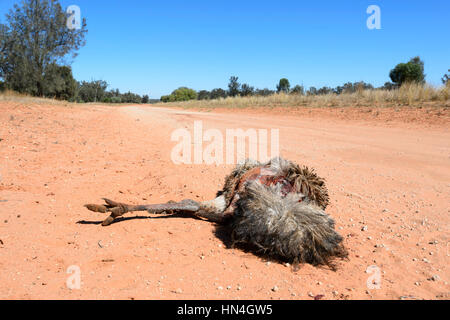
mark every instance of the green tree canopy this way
{"type": "Point", "coordinates": [130, 97]}
{"type": "Point", "coordinates": [298, 89]}
{"type": "Point", "coordinates": [234, 87]}
{"type": "Point", "coordinates": [283, 85]}
{"type": "Point", "coordinates": [93, 91]}
{"type": "Point", "coordinates": [247, 90]}
{"type": "Point", "coordinates": [59, 82]}
{"type": "Point", "coordinates": [349, 87]}
{"type": "Point", "coordinates": [446, 77]}
{"type": "Point", "coordinates": [218, 93]}
{"type": "Point", "coordinates": [264, 92]}
{"type": "Point", "coordinates": [184, 94]}
{"type": "Point", "coordinates": [34, 39]}
{"type": "Point", "coordinates": [203, 95]}
{"type": "Point", "coordinates": [312, 91]}
{"type": "Point", "coordinates": [412, 71]}
{"type": "Point", "coordinates": [180, 94]}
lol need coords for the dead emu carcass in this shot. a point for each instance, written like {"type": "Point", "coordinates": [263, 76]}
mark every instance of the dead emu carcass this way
{"type": "Point", "coordinates": [276, 207]}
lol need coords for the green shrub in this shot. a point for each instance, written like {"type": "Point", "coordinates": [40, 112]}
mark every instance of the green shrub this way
{"type": "Point", "coordinates": [180, 94]}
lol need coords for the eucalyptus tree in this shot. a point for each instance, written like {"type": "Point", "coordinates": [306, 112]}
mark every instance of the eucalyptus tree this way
{"type": "Point", "coordinates": [33, 40]}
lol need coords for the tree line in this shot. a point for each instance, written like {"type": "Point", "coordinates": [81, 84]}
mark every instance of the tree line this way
{"type": "Point", "coordinates": [95, 91]}
{"type": "Point", "coordinates": [411, 71]}
{"type": "Point", "coordinates": [36, 48]}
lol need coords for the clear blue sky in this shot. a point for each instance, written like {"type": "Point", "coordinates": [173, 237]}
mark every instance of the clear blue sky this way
{"type": "Point", "coordinates": [153, 47]}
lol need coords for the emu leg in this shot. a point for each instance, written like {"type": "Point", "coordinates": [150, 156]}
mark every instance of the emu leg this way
{"type": "Point", "coordinates": [118, 209]}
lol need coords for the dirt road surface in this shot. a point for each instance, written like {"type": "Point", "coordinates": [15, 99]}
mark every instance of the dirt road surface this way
{"type": "Point", "coordinates": [389, 185]}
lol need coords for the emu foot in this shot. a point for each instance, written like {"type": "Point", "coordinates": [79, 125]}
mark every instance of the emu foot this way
{"type": "Point", "coordinates": [117, 209]}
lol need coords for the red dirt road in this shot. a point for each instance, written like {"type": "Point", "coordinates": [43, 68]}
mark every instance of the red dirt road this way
{"type": "Point", "coordinates": [389, 186]}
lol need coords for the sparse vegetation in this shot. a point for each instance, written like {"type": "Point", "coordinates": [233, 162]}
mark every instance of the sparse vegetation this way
{"type": "Point", "coordinates": [32, 63]}
{"type": "Point", "coordinates": [408, 88]}
{"type": "Point", "coordinates": [409, 94]}
{"type": "Point", "coordinates": [298, 90]}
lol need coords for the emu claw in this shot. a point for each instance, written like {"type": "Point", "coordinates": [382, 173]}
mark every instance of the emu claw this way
{"type": "Point", "coordinates": [117, 209]}
{"type": "Point", "coordinates": [96, 208]}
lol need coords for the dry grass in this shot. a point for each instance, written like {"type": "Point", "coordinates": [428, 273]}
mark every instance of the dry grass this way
{"type": "Point", "coordinates": [408, 95]}
{"type": "Point", "coordinates": [413, 95]}
{"type": "Point", "coordinates": [12, 96]}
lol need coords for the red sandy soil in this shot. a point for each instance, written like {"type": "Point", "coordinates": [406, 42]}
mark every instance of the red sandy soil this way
{"type": "Point", "coordinates": [388, 176]}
